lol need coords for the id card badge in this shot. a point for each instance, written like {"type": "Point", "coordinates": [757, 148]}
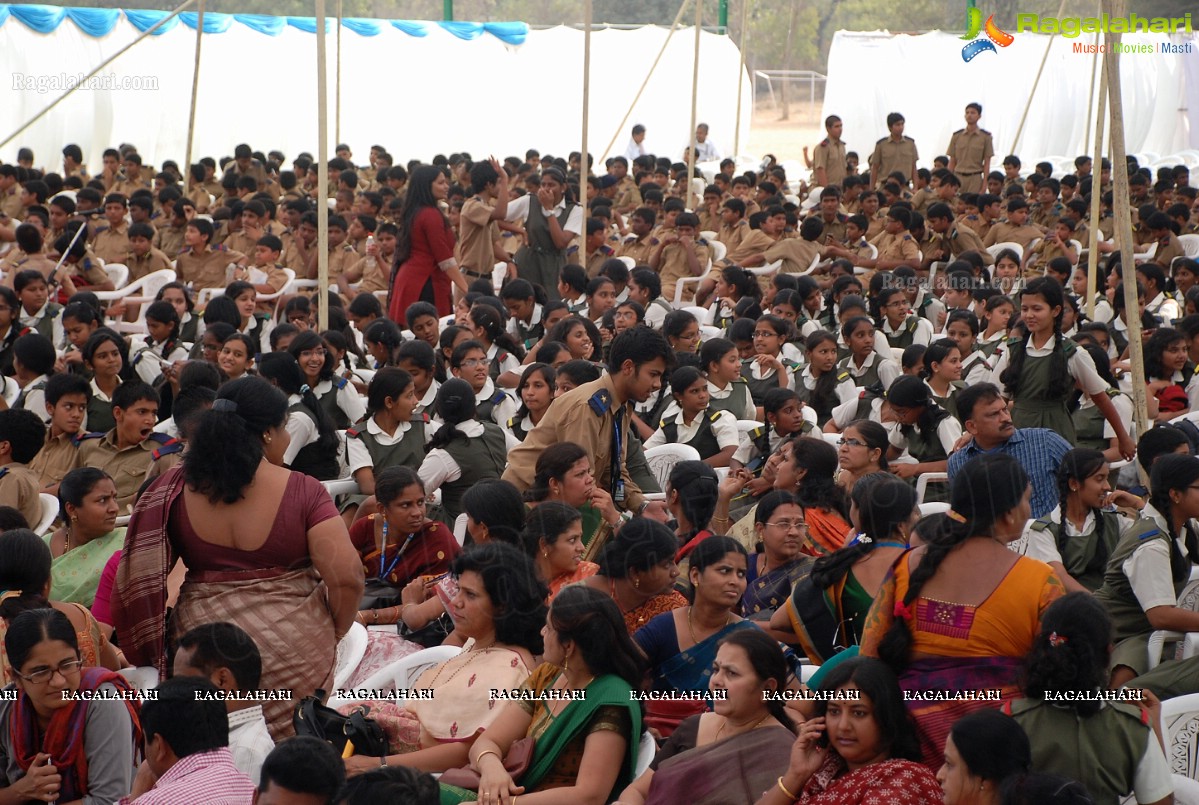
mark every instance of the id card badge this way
{"type": "Point", "coordinates": [618, 495]}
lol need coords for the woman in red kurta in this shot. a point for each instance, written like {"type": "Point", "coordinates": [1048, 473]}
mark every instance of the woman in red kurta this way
{"type": "Point", "coordinates": [425, 248]}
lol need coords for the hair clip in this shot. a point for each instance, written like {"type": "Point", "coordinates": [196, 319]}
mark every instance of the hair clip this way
{"type": "Point", "coordinates": [955, 516]}
{"type": "Point", "coordinates": [305, 388]}
{"type": "Point", "coordinates": [861, 539]}
{"type": "Point", "coordinates": [224, 404]}
{"type": "Point", "coordinates": [1056, 639]}
{"type": "Point", "coordinates": [903, 610]}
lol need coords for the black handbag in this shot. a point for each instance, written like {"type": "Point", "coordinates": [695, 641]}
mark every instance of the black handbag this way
{"type": "Point", "coordinates": [313, 717]}
{"type": "Point", "coordinates": [378, 594]}
{"type": "Point", "coordinates": [432, 634]}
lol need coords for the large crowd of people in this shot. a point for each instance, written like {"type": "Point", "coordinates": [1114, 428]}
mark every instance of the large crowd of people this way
{"type": "Point", "coordinates": [736, 487]}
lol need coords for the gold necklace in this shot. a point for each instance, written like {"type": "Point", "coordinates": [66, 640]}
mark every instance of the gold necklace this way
{"type": "Point", "coordinates": [691, 628]}
{"type": "Point", "coordinates": [751, 729]}
{"type": "Point", "coordinates": [66, 539]}
{"type": "Point", "coordinates": [475, 654]}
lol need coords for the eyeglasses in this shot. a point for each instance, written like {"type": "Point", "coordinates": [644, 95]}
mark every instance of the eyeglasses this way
{"type": "Point", "coordinates": [473, 363]}
{"type": "Point", "coordinates": [211, 347]}
{"type": "Point", "coordinates": [43, 675]}
{"type": "Point", "coordinates": [319, 352]}
{"type": "Point", "coordinates": [789, 525]}
{"type": "Point", "coordinates": [843, 442]}
{"type": "Point", "coordinates": [765, 334]}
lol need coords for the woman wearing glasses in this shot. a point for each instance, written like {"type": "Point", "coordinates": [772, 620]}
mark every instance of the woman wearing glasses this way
{"type": "Point", "coordinates": [861, 450]}
{"type": "Point", "coordinates": [55, 748]}
{"type": "Point", "coordinates": [781, 530]}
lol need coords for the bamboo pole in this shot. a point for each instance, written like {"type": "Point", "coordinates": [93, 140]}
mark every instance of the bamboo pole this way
{"type": "Point", "coordinates": [1086, 132]}
{"type": "Point", "coordinates": [1036, 81]}
{"type": "Point", "coordinates": [1123, 221]}
{"type": "Point", "coordinates": [191, 115]}
{"type": "Point", "coordinates": [83, 82]}
{"type": "Point", "coordinates": [620, 127]}
{"type": "Point", "coordinates": [741, 76]}
{"type": "Point", "coordinates": [322, 173]}
{"type": "Point", "coordinates": [337, 90]}
{"type": "Point", "coordinates": [693, 203]}
{"type": "Point", "coordinates": [584, 168]}
{"type": "Point", "coordinates": [1096, 194]}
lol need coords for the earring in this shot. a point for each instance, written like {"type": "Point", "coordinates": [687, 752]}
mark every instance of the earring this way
{"type": "Point", "coordinates": [266, 438]}
{"type": "Point", "coordinates": [545, 555]}
{"type": "Point", "coordinates": [636, 584]}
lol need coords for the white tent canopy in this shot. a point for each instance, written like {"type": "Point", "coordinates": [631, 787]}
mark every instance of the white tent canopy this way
{"type": "Point", "coordinates": [925, 79]}
{"type": "Point", "coordinates": [417, 95]}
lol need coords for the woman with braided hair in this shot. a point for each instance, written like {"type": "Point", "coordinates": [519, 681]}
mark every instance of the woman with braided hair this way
{"type": "Point", "coordinates": [960, 612]}
{"type": "Point", "coordinates": [1079, 535]}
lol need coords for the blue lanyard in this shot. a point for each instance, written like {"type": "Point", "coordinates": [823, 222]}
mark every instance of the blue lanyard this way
{"type": "Point", "coordinates": [384, 572]}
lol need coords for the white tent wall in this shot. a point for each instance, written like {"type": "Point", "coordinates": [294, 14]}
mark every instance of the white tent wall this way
{"type": "Point", "coordinates": [416, 95]}
{"type": "Point", "coordinates": [924, 78]}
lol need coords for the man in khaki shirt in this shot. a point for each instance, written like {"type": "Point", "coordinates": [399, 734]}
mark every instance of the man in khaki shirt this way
{"type": "Point", "coordinates": [896, 246]}
{"type": "Point", "coordinates": [21, 437]}
{"type": "Point", "coordinates": [893, 153]}
{"type": "Point", "coordinates": [833, 221]}
{"type": "Point", "coordinates": [734, 226]}
{"type": "Point", "coordinates": [952, 239]}
{"type": "Point", "coordinates": [478, 251]}
{"type": "Point", "coordinates": [129, 451]}
{"type": "Point", "coordinates": [10, 193]}
{"type": "Point", "coordinates": [797, 254]}
{"type": "Point", "coordinates": [641, 243]}
{"type": "Point", "coordinates": [199, 264]}
{"type": "Point", "coordinates": [66, 396]}
{"type": "Point", "coordinates": [680, 255]}
{"type": "Point", "coordinates": [111, 239]}
{"type": "Point", "coordinates": [142, 258]}
{"type": "Point", "coordinates": [1016, 229]}
{"type": "Point", "coordinates": [133, 179]}
{"type": "Point", "coordinates": [628, 197]}
{"type": "Point", "coordinates": [592, 414]}
{"type": "Point", "coordinates": [970, 151]}
{"type": "Point", "coordinates": [828, 162]}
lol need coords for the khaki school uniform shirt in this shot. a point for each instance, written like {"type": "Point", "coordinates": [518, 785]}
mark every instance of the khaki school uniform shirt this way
{"type": "Point", "coordinates": [476, 237]}
{"type": "Point", "coordinates": [890, 156]}
{"type": "Point", "coordinates": [970, 150]}
{"type": "Point", "coordinates": [830, 155]}
{"type": "Point", "coordinates": [674, 266]}
{"type": "Point", "coordinates": [111, 243]}
{"type": "Point", "coordinates": [151, 261]}
{"type": "Point", "coordinates": [206, 270]}
{"type": "Point", "coordinates": [639, 249]}
{"type": "Point", "coordinates": [128, 466]}
{"type": "Point", "coordinates": [1003, 232]}
{"type": "Point", "coordinates": [754, 243]}
{"type": "Point", "coordinates": [731, 236]}
{"type": "Point", "coordinates": [796, 253]}
{"type": "Point", "coordinates": [169, 240]}
{"type": "Point", "coordinates": [628, 197]}
{"type": "Point", "coordinates": [58, 456]}
{"type": "Point", "coordinates": [19, 488]}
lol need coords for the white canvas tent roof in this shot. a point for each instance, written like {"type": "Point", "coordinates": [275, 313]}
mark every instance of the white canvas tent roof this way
{"type": "Point", "coordinates": [418, 94]}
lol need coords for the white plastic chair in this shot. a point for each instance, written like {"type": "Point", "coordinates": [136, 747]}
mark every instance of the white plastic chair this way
{"type": "Point", "coordinates": [341, 486]}
{"type": "Point", "coordinates": [933, 508]}
{"type": "Point", "coordinates": [709, 234]}
{"type": "Point", "coordinates": [1180, 732]}
{"type": "Point", "coordinates": [206, 295]}
{"type": "Point", "coordinates": [1190, 245]}
{"type": "Point", "coordinates": [645, 754]}
{"type": "Point", "coordinates": [140, 292]}
{"type": "Point", "coordinates": [287, 286]}
{"type": "Point", "coordinates": [745, 426]}
{"type": "Point", "coordinates": [923, 481]}
{"type": "Point", "coordinates": [1147, 256]}
{"type": "Point", "coordinates": [661, 459]}
{"type": "Point", "coordinates": [118, 273]}
{"type": "Point", "coordinates": [1007, 244]}
{"type": "Point", "coordinates": [49, 511]}
{"type": "Point", "coordinates": [682, 285]}
{"type": "Point", "coordinates": [709, 331]}
{"type": "Point", "coordinates": [719, 250]}
{"type": "Point", "coordinates": [350, 652]}
{"type": "Point", "coordinates": [807, 671]}
{"type": "Point", "coordinates": [832, 438]}
{"type": "Point", "coordinates": [702, 314]}
{"type": "Point", "coordinates": [1189, 641]}
{"type": "Point", "coordinates": [628, 261]}
{"type": "Point", "coordinates": [812, 267]}
{"type": "Point", "coordinates": [460, 529]}
{"type": "Point", "coordinates": [768, 270]}
{"type": "Point", "coordinates": [401, 674]}
{"type": "Point", "coordinates": [1077, 252]}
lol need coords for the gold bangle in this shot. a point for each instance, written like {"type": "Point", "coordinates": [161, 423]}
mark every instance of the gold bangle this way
{"type": "Point", "coordinates": [486, 752]}
{"type": "Point", "coordinates": [375, 615]}
{"type": "Point", "coordinates": [783, 788]}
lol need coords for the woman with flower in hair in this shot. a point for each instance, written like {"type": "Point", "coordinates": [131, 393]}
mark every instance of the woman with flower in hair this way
{"type": "Point", "coordinates": [962, 611]}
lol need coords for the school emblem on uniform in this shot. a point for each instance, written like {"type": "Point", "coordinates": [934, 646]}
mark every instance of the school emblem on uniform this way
{"type": "Point", "coordinates": [975, 27]}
